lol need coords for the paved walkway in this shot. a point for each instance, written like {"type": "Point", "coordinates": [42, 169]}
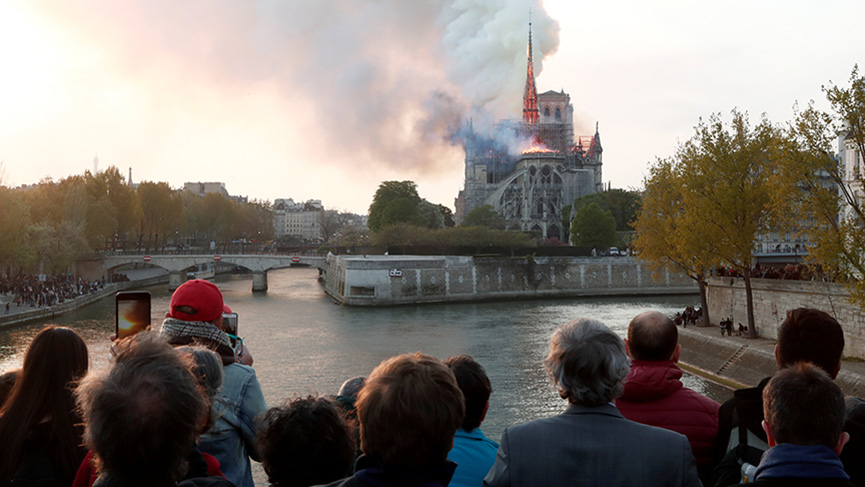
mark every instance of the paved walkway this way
{"type": "Point", "coordinates": [768, 345]}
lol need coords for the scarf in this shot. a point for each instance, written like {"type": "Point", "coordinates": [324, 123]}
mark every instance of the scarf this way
{"type": "Point", "coordinates": [179, 332]}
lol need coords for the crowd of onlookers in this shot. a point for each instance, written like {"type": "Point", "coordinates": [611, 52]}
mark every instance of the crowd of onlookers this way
{"type": "Point", "coordinates": [30, 290]}
{"type": "Point", "coordinates": [791, 272]}
{"type": "Point", "coordinates": [183, 406]}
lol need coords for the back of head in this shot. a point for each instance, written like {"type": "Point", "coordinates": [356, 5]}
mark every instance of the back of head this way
{"type": "Point", "coordinates": [652, 336]}
{"type": "Point", "coordinates": [55, 360]}
{"type": "Point", "coordinates": [473, 381]}
{"type": "Point", "coordinates": [207, 368]}
{"type": "Point", "coordinates": [803, 406]}
{"type": "Point", "coordinates": [409, 410]}
{"type": "Point", "coordinates": [587, 362]}
{"type": "Point", "coordinates": [810, 335]}
{"type": "Point", "coordinates": [143, 414]}
{"type": "Point", "coordinates": [305, 442]}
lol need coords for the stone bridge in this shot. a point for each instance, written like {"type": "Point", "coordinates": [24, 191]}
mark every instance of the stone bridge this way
{"type": "Point", "coordinates": [176, 265]}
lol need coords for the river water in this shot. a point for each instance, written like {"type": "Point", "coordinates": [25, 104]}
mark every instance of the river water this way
{"type": "Point", "coordinates": [303, 343]}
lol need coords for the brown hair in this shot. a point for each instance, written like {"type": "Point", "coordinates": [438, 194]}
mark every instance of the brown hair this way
{"type": "Point", "coordinates": [810, 335]}
{"type": "Point", "coordinates": [305, 442]}
{"type": "Point", "coordinates": [803, 406]}
{"type": "Point", "coordinates": [409, 410]}
{"type": "Point", "coordinates": [473, 381]}
{"type": "Point", "coordinates": [56, 359]}
{"type": "Point", "coordinates": [142, 416]}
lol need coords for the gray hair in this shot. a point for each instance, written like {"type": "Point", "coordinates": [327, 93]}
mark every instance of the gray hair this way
{"type": "Point", "coordinates": [207, 369]}
{"type": "Point", "coordinates": [587, 362]}
{"type": "Point", "coordinates": [145, 410]}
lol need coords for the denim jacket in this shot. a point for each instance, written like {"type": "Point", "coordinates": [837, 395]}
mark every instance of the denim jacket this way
{"type": "Point", "coordinates": [232, 438]}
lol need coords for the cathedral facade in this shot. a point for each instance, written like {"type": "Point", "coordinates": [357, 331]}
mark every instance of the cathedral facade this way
{"type": "Point", "coordinates": [529, 189]}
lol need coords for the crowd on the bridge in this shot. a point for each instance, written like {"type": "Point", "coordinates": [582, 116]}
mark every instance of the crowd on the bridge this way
{"type": "Point", "coordinates": [183, 406]}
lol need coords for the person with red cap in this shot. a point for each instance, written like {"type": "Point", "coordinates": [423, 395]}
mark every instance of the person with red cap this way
{"type": "Point", "coordinates": [195, 316]}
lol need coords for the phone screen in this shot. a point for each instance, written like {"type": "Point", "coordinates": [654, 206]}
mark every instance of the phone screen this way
{"type": "Point", "coordinates": [132, 311]}
{"type": "Point", "coordinates": [229, 324]}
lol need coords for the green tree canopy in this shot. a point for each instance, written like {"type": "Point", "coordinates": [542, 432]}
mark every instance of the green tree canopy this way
{"type": "Point", "coordinates": [622, 204]}
{"type": "Point", "coordinates": [593, 227]}
{"type": "Point", "coordinates": [394, 202]}
{"type": "Point", "coordinates": [484, 216]}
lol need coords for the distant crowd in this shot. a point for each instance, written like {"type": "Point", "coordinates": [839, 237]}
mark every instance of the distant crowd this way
{"type": "Point", "coordinates": [183, 406]}
{"type": "Point", "coordinates": [791, 272]}
{"type": "Point", "coordinates": [31, 290]}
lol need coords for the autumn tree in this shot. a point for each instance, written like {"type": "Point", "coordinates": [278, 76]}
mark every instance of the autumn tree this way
{"type": "Point", "coordinates": [671, 234]}
{"type": "Point", "coordinates": [593, 227]}
{"type": "Point", "coordinates": [16, 250]}
{"type": "Point", "coordinates": [832, 197]}
{"type": "Point", "coordinates": [733, 178]}
{"type": "Point", "coordinates": [161, 210]}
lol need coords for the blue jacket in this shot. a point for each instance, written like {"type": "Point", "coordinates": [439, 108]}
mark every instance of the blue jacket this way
{"type": "Point", "coordinates": [232, 438]}
{"type": "Point", "coordinates": [474, 455]}
{"type": "Point", "coordinates": [805, 461]}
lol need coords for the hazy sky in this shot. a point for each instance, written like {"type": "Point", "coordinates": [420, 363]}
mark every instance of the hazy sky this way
{"type": "Point", "coordinates": [325, 99]}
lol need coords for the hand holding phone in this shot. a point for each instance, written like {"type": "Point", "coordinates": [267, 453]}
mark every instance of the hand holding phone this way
{"type": "Point", "coordinates": [132, 313]}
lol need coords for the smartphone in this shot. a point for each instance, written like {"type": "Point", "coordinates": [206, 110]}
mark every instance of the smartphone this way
{"type": "Point", "coordinates": [229, 324]}
{"type": "Point", "coordinates": [132, 312]}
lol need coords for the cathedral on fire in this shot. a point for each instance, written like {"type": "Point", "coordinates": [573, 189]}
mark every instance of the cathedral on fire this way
{"type": "Point", "coordinates": [529, 190]}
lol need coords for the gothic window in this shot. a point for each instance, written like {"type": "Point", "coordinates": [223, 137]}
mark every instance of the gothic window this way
{"type": "Point", "coordinates": [558, 114]}
{"type": "Point", "coordinates": [547, 112]}
{"type": "Point", "coordinates": [557, 179]}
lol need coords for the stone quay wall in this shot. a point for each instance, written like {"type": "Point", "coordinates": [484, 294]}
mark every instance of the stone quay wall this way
{"type": "Point", "coordinates": [393, 280]}
{"type": "Point", "coordinates": [773, 298]}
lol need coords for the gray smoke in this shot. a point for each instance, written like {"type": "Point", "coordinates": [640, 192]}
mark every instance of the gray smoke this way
{"type": "Point", "coordinates": [384, 82]}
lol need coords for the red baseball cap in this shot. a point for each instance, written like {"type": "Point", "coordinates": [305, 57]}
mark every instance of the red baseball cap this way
{"type": "Point", "coordinates": [202, 296]}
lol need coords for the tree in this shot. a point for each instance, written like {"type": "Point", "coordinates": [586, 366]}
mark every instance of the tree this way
{"type": "Point", "coordinates": [161, 210]}
{"type": "Point", "coordinates": [394, 202]}
{"type": "Point", "coordinates": [832, 194]}
{"type": "Point", "coordinates": [593, 227]}
{"type": "Point", "coordinates": [484, 216]}
{"type": "Point", "coordinates": [670, 234]}
{"type": "Point", "coordinates": [733, 179]}
{"type": "Point", "coordinates": [622, 204]}
{"type": "Point", "coordinates": [16, 250]}
{"type": "Point", "coordinates": [430, 215]}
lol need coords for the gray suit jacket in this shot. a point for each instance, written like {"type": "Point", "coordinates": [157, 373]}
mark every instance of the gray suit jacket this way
{"type": "Point", "coordinates": [592, 447]}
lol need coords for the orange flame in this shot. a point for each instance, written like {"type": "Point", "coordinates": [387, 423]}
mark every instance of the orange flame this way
{"type": "Point", "coordinates": [536, 149]}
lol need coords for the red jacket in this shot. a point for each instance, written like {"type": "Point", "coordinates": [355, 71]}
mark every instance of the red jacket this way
{"type": "Point", "coordinates": [654, 395]}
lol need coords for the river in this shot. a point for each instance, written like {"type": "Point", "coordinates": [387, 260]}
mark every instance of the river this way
{"type": "Point", "coordinates": [303, 343]}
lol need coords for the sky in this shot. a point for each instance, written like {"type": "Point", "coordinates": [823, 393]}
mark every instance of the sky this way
{"type": "Point", "coordinates": [325, 99]}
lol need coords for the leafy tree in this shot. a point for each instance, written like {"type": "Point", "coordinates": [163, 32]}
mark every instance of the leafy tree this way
{"type": "Point", "coordinates": [834, 211]}
{"type": "Point", "coordinates": [671, 234]}
{"type": "Point", "coordinates": [622, 204]}
{"type": "Point", "coordinates": [484, 215]}
{"type": "Point", "coordinates": [734, 180]}
{"type": "Point", "coordinates": [16, 250]}
{"type": "Point", "coordinates": [593, 227]}
{"type": "Point", "coordinates": [430, 214]}
{"type": "Point", "coordinates": [394, 202]}
{"type": "Point", "coordinates": [162, 212]}
{"type": "Point", "coordinates": [254, 220]}
{"type": "Point", "coordinates": [447, 216]}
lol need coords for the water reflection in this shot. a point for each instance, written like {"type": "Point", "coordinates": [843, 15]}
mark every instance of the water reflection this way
{"type": "Point", "coordinates": [304, 343]}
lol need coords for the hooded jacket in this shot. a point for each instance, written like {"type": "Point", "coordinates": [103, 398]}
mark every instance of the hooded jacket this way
{"type": "Point", "coordinates": [654, 395]}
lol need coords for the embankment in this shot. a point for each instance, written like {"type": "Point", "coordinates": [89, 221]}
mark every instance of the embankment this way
{"type": "Point", "coordinates": [746, 362]}
{"type": "Point", "coordinates": [31, 314]}
{"type": "Point", "coordinates": [380, 280]}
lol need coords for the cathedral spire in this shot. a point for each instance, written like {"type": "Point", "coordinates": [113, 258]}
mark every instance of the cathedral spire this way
{"type": "Point", "coordinates": [530, 95]}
